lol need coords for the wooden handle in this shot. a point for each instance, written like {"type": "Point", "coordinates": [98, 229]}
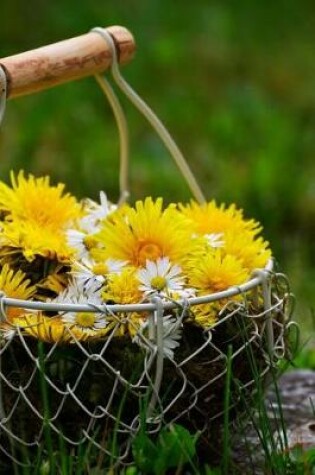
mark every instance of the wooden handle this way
{"type": "Point", "coordinates": [67, 60]}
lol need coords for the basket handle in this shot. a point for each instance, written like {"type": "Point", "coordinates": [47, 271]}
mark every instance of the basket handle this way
{"type": "Point", "coordinates": [149, 115]}
{"type": "Point", "coordinates": [67, 60]}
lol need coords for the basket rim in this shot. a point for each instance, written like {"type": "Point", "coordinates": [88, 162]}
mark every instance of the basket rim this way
{"type": "Point", "coordinates": [260, 276]}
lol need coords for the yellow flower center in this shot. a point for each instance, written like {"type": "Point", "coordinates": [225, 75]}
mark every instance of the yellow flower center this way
{"type": "Point", "coordinates": [85, 319]}
{"type": "Point", "coordinates": [100, 269]}
{"type": "Point", "coordinates": [90, 242]}
{"type": "Point", "coordinates": [148, 251]}
{"type": "Point", "coordinates": [158, 282]}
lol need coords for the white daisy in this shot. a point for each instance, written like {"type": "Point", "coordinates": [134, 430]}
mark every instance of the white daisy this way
{"type": "Point", "coordinates": [90, 274]}
{"type": "Point", "coordinates": [161, 277]}
{"type": "Point", "coordinates": [186, 293]}
{"type": "Point", "coordinates": [172, 333]}
{"type": "Point", "coordinates": [85, 320]}
{"type": "Point", "coordinates": [81, 242]}
{"type": "Point", "coordinates": [95, 213]}
{"type": "Point", "coordinates": [87, 225]}
{"type": "Point", "coordinates": [76, 294]}
{"type": "Point", "coordinates": [215, 240]}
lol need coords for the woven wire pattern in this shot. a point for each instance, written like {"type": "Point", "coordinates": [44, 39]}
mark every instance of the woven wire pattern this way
{"type": "Point", "coordinates": [95, 388]}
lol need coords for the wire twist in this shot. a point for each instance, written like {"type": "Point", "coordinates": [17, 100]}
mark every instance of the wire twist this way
{"type": "Point", "coordinates": [3, 93]}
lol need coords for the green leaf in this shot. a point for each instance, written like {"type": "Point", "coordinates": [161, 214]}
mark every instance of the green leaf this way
{"type": "Point", "coordinates": [144, 452]}
{"type": "Point", "coordinates": [176, 447]}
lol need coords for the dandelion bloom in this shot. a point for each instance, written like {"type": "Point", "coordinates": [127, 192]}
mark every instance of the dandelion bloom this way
{"type": "Point", "coordinates": [147, 232]}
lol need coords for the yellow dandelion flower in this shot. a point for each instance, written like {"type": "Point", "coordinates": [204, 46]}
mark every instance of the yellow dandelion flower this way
{"type": "Point", "coordinates": [147, 232]}
{"type": "Point", "coordinates": [134, 323]}
{"type": "Point", "coordinates": [216, 272]}
{"type": "Point", "coordinates": [53, 329]}
{"type": "Point", "coordinates": [123, 287]}
{"type": "Point", "coordinates": [35, 200]}
{"type": "Point", "coordinates": [47, 329]}
{"type": "Point", "coordinates": [125, 324]}
{"type": "Point", "coordinates": [32, 239]}
{"type": "Point", "coordinates": [205, 314]}
{"type": "Point", "coordinates": [209, 218]}
{"type": "Point", "coordinates": [252, 253]}
{"type": "Point", "coordinates": [56, 282]}
{"type": "Point", "coordinates": [17, 286]}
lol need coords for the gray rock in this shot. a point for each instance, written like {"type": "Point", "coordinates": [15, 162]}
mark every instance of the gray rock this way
{"type": "Point", "coordinates": [290, 411]}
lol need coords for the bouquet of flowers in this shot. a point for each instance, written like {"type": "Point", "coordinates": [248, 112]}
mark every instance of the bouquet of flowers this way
{"type": "Point", "coordinates": [59, 250]}
{"type": "Point", "coordinates": [108, 260]}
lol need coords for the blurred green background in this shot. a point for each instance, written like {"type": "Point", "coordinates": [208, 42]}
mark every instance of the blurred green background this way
{"type": "Point", "coordinates": [233, 81]}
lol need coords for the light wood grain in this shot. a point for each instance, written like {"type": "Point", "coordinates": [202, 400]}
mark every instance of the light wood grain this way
{"type": "Point", "coordinates": [64, 61]}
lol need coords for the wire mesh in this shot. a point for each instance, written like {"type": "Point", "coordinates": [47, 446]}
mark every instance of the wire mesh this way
{"type": "Point", "coordinates": [86, 392]}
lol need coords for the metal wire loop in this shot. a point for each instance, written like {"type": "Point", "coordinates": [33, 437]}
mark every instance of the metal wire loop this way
{"type": "Point", "coordinates": [151, 117]}
{"type": "Point", "coordinates": [3, 93]}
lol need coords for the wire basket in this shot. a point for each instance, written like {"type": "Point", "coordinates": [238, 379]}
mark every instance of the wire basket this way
{"type": "Point", "coordinates": [108, 389]}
